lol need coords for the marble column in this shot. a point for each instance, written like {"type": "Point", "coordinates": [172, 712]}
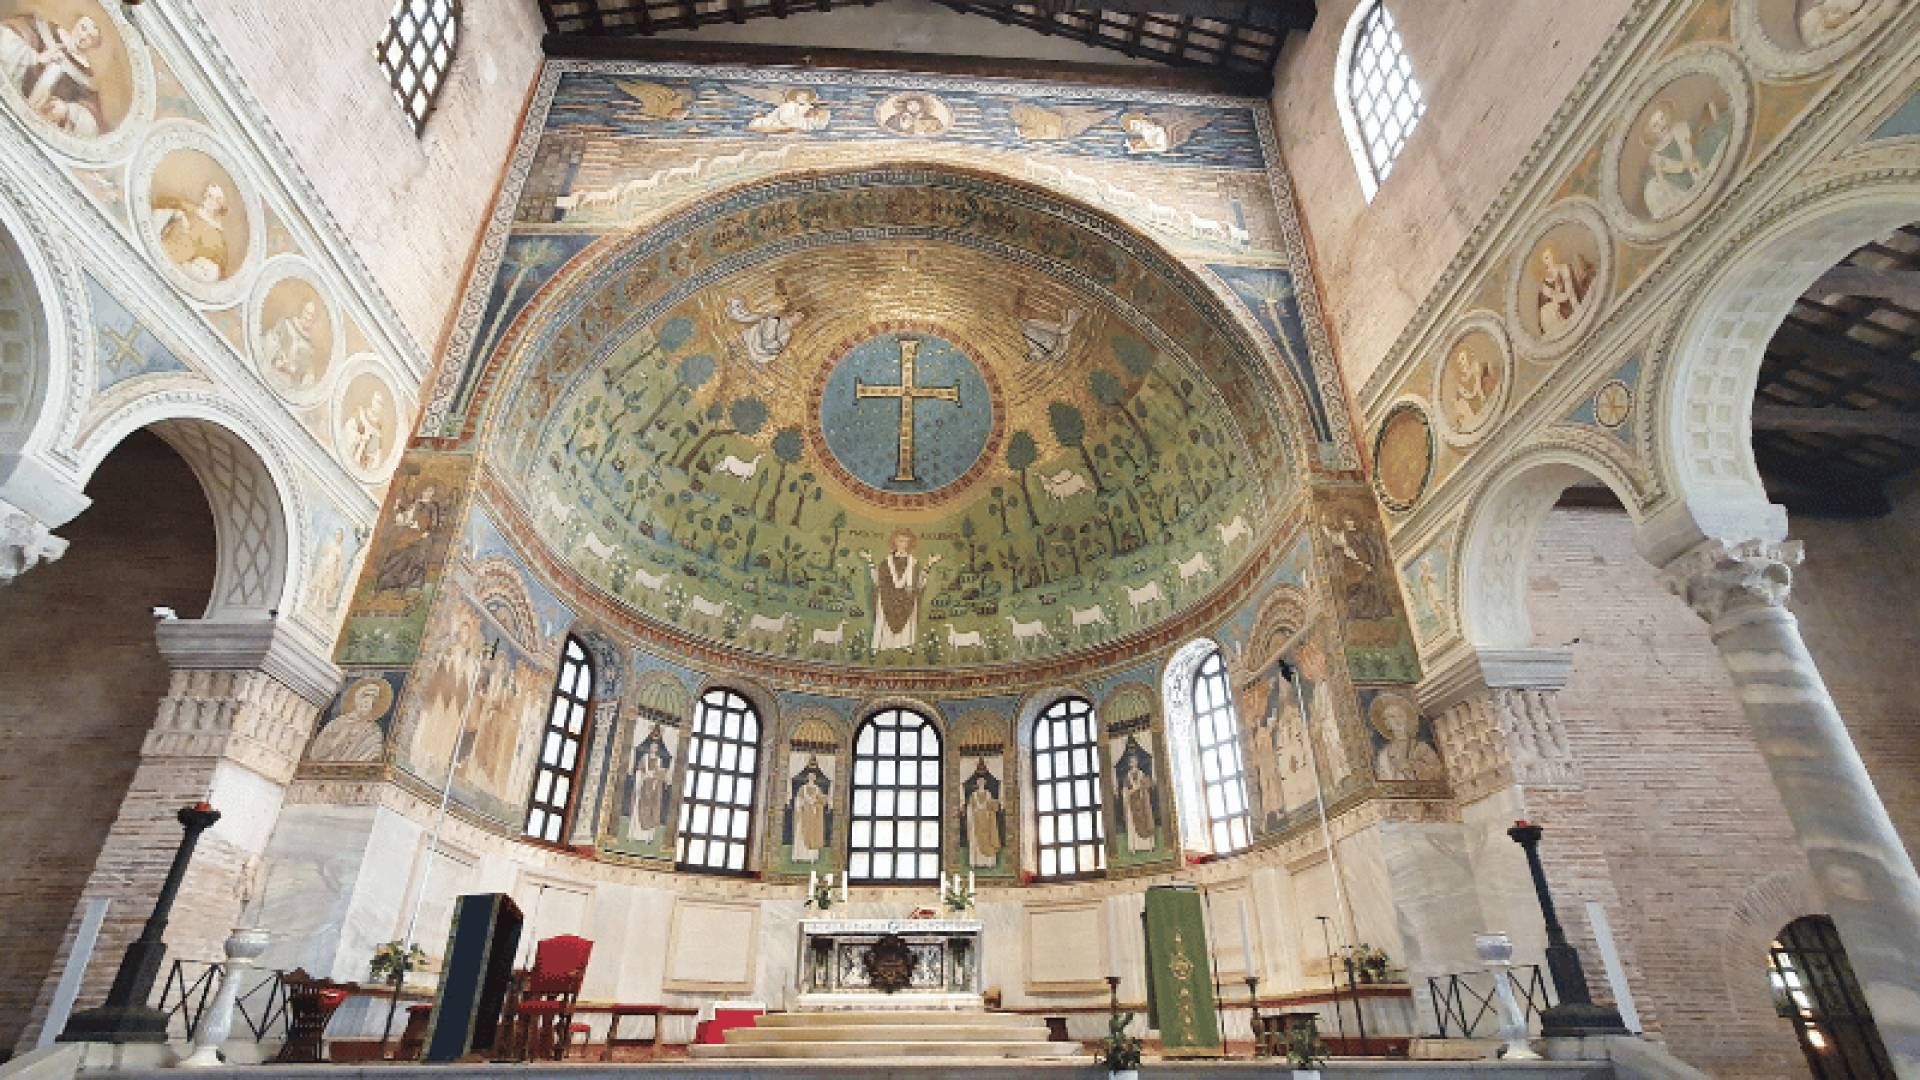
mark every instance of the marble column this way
{"type": "Point", "coordinates": [1861, 868]}
{"type": "Point", "coordinates": [1496, 716]}
{"type": "Point", "coordinates": [243, 699]}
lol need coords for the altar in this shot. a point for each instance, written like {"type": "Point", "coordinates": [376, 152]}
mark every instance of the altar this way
{"type": "Point", "coordinates": [889, 964]}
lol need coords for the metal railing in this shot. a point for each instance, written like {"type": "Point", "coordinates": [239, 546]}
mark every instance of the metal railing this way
{"type": "Point", "coordinates": [190, 986]}
{"type": "Point", "coordinates": [1462, 1002]}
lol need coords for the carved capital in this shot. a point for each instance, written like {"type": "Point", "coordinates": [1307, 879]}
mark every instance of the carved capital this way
{"type": "Point", "coordinates": [1718, 579]}
{"type": "Point", "coordinates": [1504, 736]}
{"type": "Point", "coordinates": [248, 717]}
{"type": "Point", "coordinates": [25, 542]}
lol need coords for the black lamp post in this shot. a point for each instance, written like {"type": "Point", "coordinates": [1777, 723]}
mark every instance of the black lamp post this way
{"type": "Point", "coordinates": [126, 1017]}
{"type": "Point", "coordinates": [1576, 1014]}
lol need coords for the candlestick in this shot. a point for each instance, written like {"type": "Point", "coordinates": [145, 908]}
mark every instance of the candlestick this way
{"type": "Point", "coordinates": [1260, 1048]}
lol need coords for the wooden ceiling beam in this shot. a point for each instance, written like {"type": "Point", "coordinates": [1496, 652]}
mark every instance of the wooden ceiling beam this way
{"type": "Point", "coordinates": [1276, 15]}
{"type": "Point", "coordinates": [1197, 79]}
{"type": "Point", "coordinates": [1900, 286]}
{"type": "Point", "coordinates": [1818, 346]}
{"type": "Point", "coordinates": [1837, 420]}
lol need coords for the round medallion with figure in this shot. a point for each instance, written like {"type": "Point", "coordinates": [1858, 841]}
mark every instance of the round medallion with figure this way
{"type": "Point", "coordinates": [906, 417]}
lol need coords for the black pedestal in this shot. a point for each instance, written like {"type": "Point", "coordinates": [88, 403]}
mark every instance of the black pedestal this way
{"type": "Point", "coordinates": [126, 1017]}
{"type": "Point", "coordinates": [1576, 1015]}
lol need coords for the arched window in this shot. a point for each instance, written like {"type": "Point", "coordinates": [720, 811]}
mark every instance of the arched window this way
{"type": "Point", "coordinates": [1066, 783]}
{"type": "Point", "coordinates": [1222, 767]}
{"type": "Point", "coordinates": [1815, 988]}
{"type": "Point", "coordinates": [416, 52]}
{"type": "Point", "coordinates": [716, 800]}
{"type": "Point", "coordinates": [895, 834]}
{"type": "Point", "coordinates": [1379, 99]}
{"type": "Point", "coordinates": [551, 803]}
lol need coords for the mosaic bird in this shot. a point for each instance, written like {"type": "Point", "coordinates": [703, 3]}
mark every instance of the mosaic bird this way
{"type": "Point", "coordinates": [1050, 124]}
{"type": "Point", "coordinates": [657, 100]}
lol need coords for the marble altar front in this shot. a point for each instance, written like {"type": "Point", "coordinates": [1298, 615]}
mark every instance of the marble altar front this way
{"type": "Point", "coordinates": [889, 964]}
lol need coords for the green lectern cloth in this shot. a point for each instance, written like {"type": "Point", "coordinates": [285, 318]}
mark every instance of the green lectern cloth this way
{"type": "Point", "coordinates": [1179, 975]}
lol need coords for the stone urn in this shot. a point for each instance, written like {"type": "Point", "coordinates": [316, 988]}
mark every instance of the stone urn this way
{"type": "Point", "coordinates": [243, 946]}
{"type": "Point", "coordinates": [1495, 950]}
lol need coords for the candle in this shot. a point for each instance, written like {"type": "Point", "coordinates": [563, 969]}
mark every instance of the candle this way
{"type": "Point", "coordinates": [1246, 938]}
{"type": "Point", "coordinates": [969, 883]}
{"type": "Point", "coordinates": [813, 884]}
{"type": "Point", "coordinates": [1113, 940]}
{"type": "Point", "coordinates": [843, 888]}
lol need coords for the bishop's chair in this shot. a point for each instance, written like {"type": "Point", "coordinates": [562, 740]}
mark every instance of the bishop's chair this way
{"type": "Point", "coordinates": [539, 1012]}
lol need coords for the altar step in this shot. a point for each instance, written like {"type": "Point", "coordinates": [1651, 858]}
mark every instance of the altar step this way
{"type": "Point", "coordinates": [892, 1034]}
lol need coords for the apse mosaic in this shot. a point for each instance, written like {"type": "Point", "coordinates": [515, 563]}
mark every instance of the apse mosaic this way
{"type": "Point", "coordinates": [772, 432]}
{"type": "Point", "coordinates": [615, 147]}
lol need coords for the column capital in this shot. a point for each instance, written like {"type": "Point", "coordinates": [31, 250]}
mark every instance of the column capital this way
{"type": "Point", "coordinates": [277, 647]}
{"type": "Point", "coordinates": [1472, 672]}
{"type": "Point", "coordinates": [25, 542]}
{"type": "Point", "coordinates": [1720, 578]}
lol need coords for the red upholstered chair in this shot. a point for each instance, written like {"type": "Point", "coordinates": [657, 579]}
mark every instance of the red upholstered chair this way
{"type": "Point", "coordinates": [540, 1005]}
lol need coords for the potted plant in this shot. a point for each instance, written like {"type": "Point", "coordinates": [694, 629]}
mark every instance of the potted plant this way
{"type": "Point", "coordinates": [1305, 1052]}
{"type": "Point", "coordinates": [1121, 1051]}
{"type": "Point", "coordinates": [392, 961]}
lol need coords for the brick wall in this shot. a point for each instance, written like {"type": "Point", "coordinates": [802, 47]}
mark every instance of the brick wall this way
{"type": "Point", "coordinates": [78, 690]}
{"type": "Point", "coordinates": [1691, 824]}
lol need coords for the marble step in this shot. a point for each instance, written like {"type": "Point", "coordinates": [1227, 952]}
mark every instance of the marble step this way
{"type": "Point", "coordinates": [891, 1048]}
{"type": "Point", "coordinates": [916, 1033]}
{"type": "Point", "coordinates": [900, 1018]}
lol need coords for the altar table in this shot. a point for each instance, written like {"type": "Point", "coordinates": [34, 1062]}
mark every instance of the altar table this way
{"type": "Point", "coordinates": [889, 964]}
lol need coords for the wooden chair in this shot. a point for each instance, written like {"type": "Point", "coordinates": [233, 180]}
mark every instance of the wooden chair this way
{"type": "Point", "coordinates": [310, 1004]}
{"type": "Point", "coordinates": [539, 1013]}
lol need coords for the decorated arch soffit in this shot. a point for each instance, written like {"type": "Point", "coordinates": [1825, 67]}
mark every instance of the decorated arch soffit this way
{"type": "Point", "coordinates": [703, 427]}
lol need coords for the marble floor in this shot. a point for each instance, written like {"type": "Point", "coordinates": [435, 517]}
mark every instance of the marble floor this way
{"type": "Point", "coordinates": [951, 1069]}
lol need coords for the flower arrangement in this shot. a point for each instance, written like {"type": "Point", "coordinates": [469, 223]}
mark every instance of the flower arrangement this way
{"type": "Point", "coordinates": [393, 960]}
{"type": "Point", "coordinates": [1121, 1051]}
{"type": "Point", "coordinates": [1370, 963]}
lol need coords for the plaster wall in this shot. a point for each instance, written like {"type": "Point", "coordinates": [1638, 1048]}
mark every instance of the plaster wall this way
{"type": "Point", "coordinates": [79, 688]}
{"type": "Point", "coordinates": [1377, 261]}
{"type": "Point", "coordinates": [413, 204]}
{"type": "Point", "coordinates": [1678, 795]}
{"type": "Point", "coordinates": [1857, 607]}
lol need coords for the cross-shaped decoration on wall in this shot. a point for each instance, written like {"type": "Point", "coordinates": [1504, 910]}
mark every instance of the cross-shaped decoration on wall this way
{"type": "Point", "coordinates": [907, 393]}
